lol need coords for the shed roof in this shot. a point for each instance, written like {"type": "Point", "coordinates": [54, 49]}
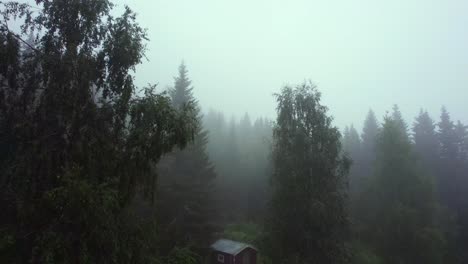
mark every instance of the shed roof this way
{"type": "Point", "coordinates": [229, 246]}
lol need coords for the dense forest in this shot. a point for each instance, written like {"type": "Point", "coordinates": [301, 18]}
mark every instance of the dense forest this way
{"type": "Point", "coordinates": [94, 169]}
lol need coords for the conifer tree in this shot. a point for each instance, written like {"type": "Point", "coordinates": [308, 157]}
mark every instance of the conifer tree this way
{"type": "Point", "coordinates": [369, 136]}
{"type": "Point", "coordinates": [426, 143]}
{"type": "Point", "coordinates": [448, 160]}
{"type": "Point", "coordinates": [351, 141]}
{"type": "Point", "coordinates": [452, 176]}
{"type": "Point", "coordinates": [400, 219]}
{"type": "Point", "coordinates": [186, 196]}
{"type": "Point", "coordinates": [352, 148]}
{"type": "Point", "coordinates": [397, 117]}
{"type": "Point", "coordinates": [461, 134]}
{"type": "Point", "coordinates": [369, 131]}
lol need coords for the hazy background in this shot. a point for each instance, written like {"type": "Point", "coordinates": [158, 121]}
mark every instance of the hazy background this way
{"type": "Point", "coordinates": [362, 54]}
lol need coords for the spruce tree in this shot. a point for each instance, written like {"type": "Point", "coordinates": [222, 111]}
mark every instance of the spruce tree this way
{"type": "Point", "coordinates": [261, 166]}
{"type": "Point", "coordinates": [187, 207]}
{"type": "Point", "coordinates": [397, 117]}
{"type": "Point", "coordinates": [426, 143]}
{"type": "Point", "coordinates": [307, 222]}
{"type": "Point", "coordinates": [352, 148]}
{"type": "Point", "coordinates": [459, 186]}
{"type": "Point", "coordinates": [369, 136]}
{"type": "Point", "coordinates": [399, 222]}
{"type": "Point", "coordinates": [461, 134]}
{"type": "Point", "coordinates": [351, 141]}
{"type": "Point", "coordinates": [447, 180]}
{"type": "Point", "coordinates": [369, 131]}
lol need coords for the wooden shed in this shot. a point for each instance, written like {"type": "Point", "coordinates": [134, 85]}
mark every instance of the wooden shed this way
{"type": "Point", "coordinates": [232, 252]}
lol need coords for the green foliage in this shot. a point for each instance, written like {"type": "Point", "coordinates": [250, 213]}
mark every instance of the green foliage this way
{"type": "Point", "coordinates": [249, 233]}
{"type": "Point", "coordinates": [187, 212]}
{"type": "Point", "coordinates": [364, 255]}
{"type": "Point", "coordinates": [452, 176]}
{"type": "Point", "coordinates": [77, 142]}
{"type": "Point", "coordinates": [426, 144]}
{"type": "Point", "coordinates": [400, 205]}
{"type": "Point", "coordinates": [352, 147]}
{"type": "Point", "coordinates": [240, 151]}
{"type": "Point", "coordinates": [367, 156]}
{"type": "Point", "coordinates": [244, 232]}
{"type": "Point", "coordinates": [182, 256]}
{"type": "Point", "coordinates": [308, 220]}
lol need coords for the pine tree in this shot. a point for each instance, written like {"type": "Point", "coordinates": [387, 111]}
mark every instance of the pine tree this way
{"type": "Point", "coordinates": [400, 218]}
{"type": "Point", "coordinates": [449, 160]}
{"type": "Point", "coordinates": [461, 134]}
{"type": "Point", "coordinates": [369, 136]}
{"type": "Point", "coordinates": [351, 141]}
{"type": "Point", "coordinates": [460, 188]}
{"type": "Point", "coordinates": [397, 117]}
{"type": "Point", "coordinates": [307, 221]}
{"type": "Point", "coordinates": [186, 197]}
{"type": "Point", "coordinates": [261, 166]}
{"type": "Point", "coordinates": [181, 93]}
{"type": "Point", "coordinates": [352, 148]}
{"type": "Point", "coordinates": [426, 143]}
{"type": "Point", "coordinates": [370, 131]}
{"type": "Point", "coordinates": [217, 128]}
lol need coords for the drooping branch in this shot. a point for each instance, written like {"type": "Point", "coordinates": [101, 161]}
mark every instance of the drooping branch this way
{"type": "Point", "coordinates": [5, 25]}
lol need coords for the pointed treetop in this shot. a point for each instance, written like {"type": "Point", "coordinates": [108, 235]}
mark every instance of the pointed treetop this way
{"type": "Point", "coordinates": [346, 132]}
{"type": "Point", "coordinates": [245, 121]}
{"type": "Point", "coordinates": [181, 93]}
{"type": "Point", "coordinates": [351, 142]}
{"type": "Point", "coordinates": [423, 123]}
{"type": "Point", "coordinates": [425, 137]}
{"type": "Point", "coordinates": [461, 134]}
{"type": "Point", "coordinates": [447, 136]}
{"type": "Point", "coordinates": [397, 117]}
{"type": "Point", "coordinates": [370, 130]}
{"type": "Point", "coordinates": [445, 121]}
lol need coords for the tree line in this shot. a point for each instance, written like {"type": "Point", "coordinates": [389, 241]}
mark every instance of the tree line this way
{"type": "Point", "coordinates": [95, 169]}
{"type": "Point", "coordinates": [408, 187]}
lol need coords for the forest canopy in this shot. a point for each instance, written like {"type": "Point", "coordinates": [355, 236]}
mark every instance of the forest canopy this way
{"type": "Point", "coordinates": [95, 169]}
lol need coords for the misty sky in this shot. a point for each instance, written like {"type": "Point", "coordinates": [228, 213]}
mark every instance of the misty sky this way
{"type": "Point", "coordinates": [362, 54]}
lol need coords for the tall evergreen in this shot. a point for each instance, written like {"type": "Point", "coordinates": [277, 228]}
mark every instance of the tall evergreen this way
{"type": "Point", "coordinates": [452, 176]}
{"type": "Point", "coordinates": [352, 147]}
{"type": "Point", "coordinates": [307, 222]}
{"type": "Point", "coordinates": [369, 131]}
{"type": "Point", "coordinates": [397, 117]}
{"type": "Point", "coordinates": [461, 134]}
{"type": "Point", "coordinates": [351, 141]}
{"type": "Point", "coordinates": [426, 143]}
{"type": "Point", "coordinates": [187, 208]}
{"type": "Point", "coordinates": [369, 137]}
{"type": "Point", "coordinates": [241, 158]}
{"type": "Point", "coordinates": [400, 218]}
{"type": "Point", "coordinates": [447, 137]}
{"type": "Point", "coordinates": [261, 169]}
{"type": "Point", "coordinates": [449, 160]}
{"type": "Point", "coordinates": [181, 93]}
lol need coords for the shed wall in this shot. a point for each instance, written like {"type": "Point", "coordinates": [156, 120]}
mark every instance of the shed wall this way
{"type": "Point", "coordinates": [251, 253]}
{"type": "Point", "coordinates": [228, 259]}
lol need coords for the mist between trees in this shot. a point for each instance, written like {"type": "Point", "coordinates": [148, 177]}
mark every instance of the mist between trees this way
{"type": "Point", "coordinates": [96, 170]}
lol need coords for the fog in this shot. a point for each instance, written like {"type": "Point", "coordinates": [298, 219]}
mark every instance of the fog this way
{"type": "Point", "coordinates": [362, 54]}
{"type": "Point", "coordinates": [212, 131]}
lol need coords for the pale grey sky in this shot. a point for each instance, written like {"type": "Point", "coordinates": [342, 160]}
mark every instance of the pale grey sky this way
{"type": "Point", "coordinates": [362, 54]}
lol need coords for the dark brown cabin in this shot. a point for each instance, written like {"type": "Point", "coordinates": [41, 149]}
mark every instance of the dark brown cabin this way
{"type": "Point", "coordinates": [226, 251]}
